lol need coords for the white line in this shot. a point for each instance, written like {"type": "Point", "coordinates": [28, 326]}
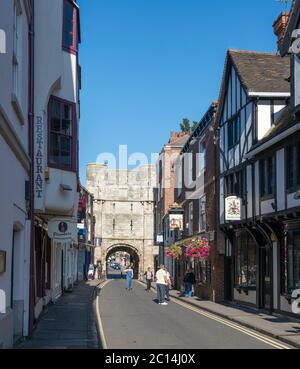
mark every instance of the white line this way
{"type": "Point", "coordinates": [99, 321]}
{"type": "Point", "coordinates": [230, 324]}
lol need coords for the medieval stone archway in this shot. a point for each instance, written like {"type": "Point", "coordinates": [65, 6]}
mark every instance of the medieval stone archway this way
{"type": "Point", "coordinates": [132, 251]}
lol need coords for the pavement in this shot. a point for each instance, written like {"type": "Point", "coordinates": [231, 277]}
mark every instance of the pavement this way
{"type": "Point", "coordinates": [134, 320]}
{"type": "Point", "coordinates": [283, 328]}
{"type": "Point", "coordinates": [69, 323]}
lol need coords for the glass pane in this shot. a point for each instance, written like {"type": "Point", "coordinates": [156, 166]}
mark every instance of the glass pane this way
{"type": "Point", "coordinates": [67, 120]}
{"type": "Point", "coordinates": [68, 25]}
{"type": "Point", "coordinates": [297, 261]}
{"type": "Point", "coordinates": [251, 262]}
{"type": "Point", "coordinates": [55, 109]}
{"type": "Point", "coordinates": [54, 148]}
{"type": "Point", "coordinates": [65, 144]}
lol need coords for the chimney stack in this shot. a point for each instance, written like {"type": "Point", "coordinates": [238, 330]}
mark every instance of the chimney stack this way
{"type": "Point", "coordinates": [279, 27]}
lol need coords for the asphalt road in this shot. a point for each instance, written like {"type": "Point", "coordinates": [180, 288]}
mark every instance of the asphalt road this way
{"type": "Point", "coordinates": [133, 320]}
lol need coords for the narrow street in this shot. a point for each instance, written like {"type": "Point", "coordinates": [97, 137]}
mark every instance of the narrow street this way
{"type": "Point", "coordinates": [133, 320]}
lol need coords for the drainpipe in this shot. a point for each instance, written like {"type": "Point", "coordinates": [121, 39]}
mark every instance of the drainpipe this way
{"type": "Point", "coordinates": [31, 154]}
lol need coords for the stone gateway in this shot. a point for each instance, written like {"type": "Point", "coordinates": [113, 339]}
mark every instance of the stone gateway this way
{"type": "Point", "coordinates": [124, 213]}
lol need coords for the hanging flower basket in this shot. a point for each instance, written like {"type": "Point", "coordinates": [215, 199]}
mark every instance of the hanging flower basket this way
{"type": "Point", "coordinates": [174, 252]}
{"type": "Point", "coordinates": [199, 248]}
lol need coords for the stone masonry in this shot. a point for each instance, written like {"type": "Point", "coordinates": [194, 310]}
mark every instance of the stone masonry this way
{"type": "Point", "coordinates": [124, 212]}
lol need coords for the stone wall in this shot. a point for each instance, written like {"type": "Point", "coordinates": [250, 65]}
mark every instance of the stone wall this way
{"type": "Point", "coordinates": [124, 210]}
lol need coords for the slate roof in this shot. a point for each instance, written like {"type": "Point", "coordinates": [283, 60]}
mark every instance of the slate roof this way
{"type": "Point", "coordinates": [262, 72]}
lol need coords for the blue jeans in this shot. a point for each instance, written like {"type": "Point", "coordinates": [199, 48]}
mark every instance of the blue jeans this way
{"type": "Point", "coordinates": [188, 292]}
{"type": "Point", "coordinates": [129, 283]}
{"type": "Point", "coordinates": [161, 293]}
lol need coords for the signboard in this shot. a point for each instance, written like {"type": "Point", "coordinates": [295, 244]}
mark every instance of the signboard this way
{"type": "Point", "coordinates": [2, 261]}
{"type": "Point", "coordinates": [63, 229]}
{"type": "Point", "coordinates": [176, 221]}
{"type": "Point", "coordinates": [233, 205]}
{"type": "Point", "coordinates": [39, 164]}
{"type": "Point", "coordinates": [159, 238]}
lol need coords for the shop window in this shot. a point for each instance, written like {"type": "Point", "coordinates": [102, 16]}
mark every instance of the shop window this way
{"type": "Point", "coordinates": [203, 272]}
{"type": "Point", "coordinates": [294, 262]}
{"type": "Point", "coordinates": [245, 261]}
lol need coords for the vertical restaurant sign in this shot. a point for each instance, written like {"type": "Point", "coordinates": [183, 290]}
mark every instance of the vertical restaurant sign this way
{"type": "Point", "coordinates": [39, 164]}
{"type": "Point", "coordinates": [233, 207]}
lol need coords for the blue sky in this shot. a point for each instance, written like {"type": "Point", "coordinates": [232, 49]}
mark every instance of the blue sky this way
{"type": "Point", "coordinates": [149, 63]}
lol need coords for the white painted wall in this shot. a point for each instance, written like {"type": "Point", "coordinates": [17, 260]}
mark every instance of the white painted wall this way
{"type": "Point", "coordinates": [264, 121]}
{"type": "Point", "coordinates": [266, 206]}
{"type": "Point", "coordinates": [58, 79]}
{"type": "Point", "coordinates": [13, 174]}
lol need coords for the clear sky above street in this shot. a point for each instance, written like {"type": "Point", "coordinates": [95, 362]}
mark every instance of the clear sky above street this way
{"type": "Point", "coordinates": [149, 63]}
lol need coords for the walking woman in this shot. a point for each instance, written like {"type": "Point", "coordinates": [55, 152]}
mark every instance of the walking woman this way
{"type": "Point", "coordinates": [149, 279]}
{"type": "Point", "coordinates": [129, 278]}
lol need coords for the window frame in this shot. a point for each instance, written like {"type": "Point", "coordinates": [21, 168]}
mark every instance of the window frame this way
{"type": "Point", "coordinates": [295, 185]}
{"type": "Point", "coordinates": [74, 48]}
{"type": "Point", "coordinates": [267, 182]}
{"type": "Point", "coordinates": [234, 137]}
{"type": "Point", "coordinates": [74, 142]}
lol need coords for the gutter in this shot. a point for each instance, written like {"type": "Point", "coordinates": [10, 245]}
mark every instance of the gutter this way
{"type": "Point", "coordinates": [273, 141]}
{"type": "Point", "coordinates": [269, 94]}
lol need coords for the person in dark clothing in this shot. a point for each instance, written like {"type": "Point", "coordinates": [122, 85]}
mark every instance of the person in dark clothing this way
{"type": "Point", "coordinates": [149, 279]}
{"type": "Point", "coordinates": [189, 281]}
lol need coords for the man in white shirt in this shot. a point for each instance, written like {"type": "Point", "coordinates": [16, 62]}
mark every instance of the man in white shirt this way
{"type": "Point", "coordinates": [161, 283]}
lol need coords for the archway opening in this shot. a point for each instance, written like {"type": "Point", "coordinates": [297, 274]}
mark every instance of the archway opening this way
{"type": "Point", "coordinates": [118, 259]}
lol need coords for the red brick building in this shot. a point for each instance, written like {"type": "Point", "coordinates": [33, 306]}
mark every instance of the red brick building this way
{"type": "Point", "coordinates": [196, 191]}
{"type": "Point", "coordinates": [165, 183]}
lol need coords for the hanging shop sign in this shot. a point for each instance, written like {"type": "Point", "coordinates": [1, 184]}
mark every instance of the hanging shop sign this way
{"type": "Point", "coordinates": [233, 206]}
{"type": "Point", "coordinates": [39, 163]}
{"type": "Point", "coordinates": [63, 229]}
{"type": "Point", "coordinates": [176, 221]}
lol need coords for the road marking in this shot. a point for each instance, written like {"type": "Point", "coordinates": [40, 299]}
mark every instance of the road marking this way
{"type": "Point", "coordinates": [99, 321]}
{"type": "Point", "coordinates": [230, 324]}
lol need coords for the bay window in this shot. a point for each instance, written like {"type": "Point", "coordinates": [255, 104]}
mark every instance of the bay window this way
{"type": "Point", "coordinates": [62, 139]}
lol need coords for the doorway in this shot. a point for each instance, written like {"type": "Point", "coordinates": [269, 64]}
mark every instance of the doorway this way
{"type": "Point", "coordinates": [265, 263]}
{"type": "Point", "coordinates": [17, 300]}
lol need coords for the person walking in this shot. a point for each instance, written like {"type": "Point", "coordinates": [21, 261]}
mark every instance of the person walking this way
{"type": "Point", "coordinates": [189, 281]}
{"type": "Point", "coordinates": [149, 279]}
{"type": "Point", "coordinates": [129, 278]}
{"type": "Point", "coordinates": [169, 285]}
{"type": "Point", "coordinates": [161, 283]}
